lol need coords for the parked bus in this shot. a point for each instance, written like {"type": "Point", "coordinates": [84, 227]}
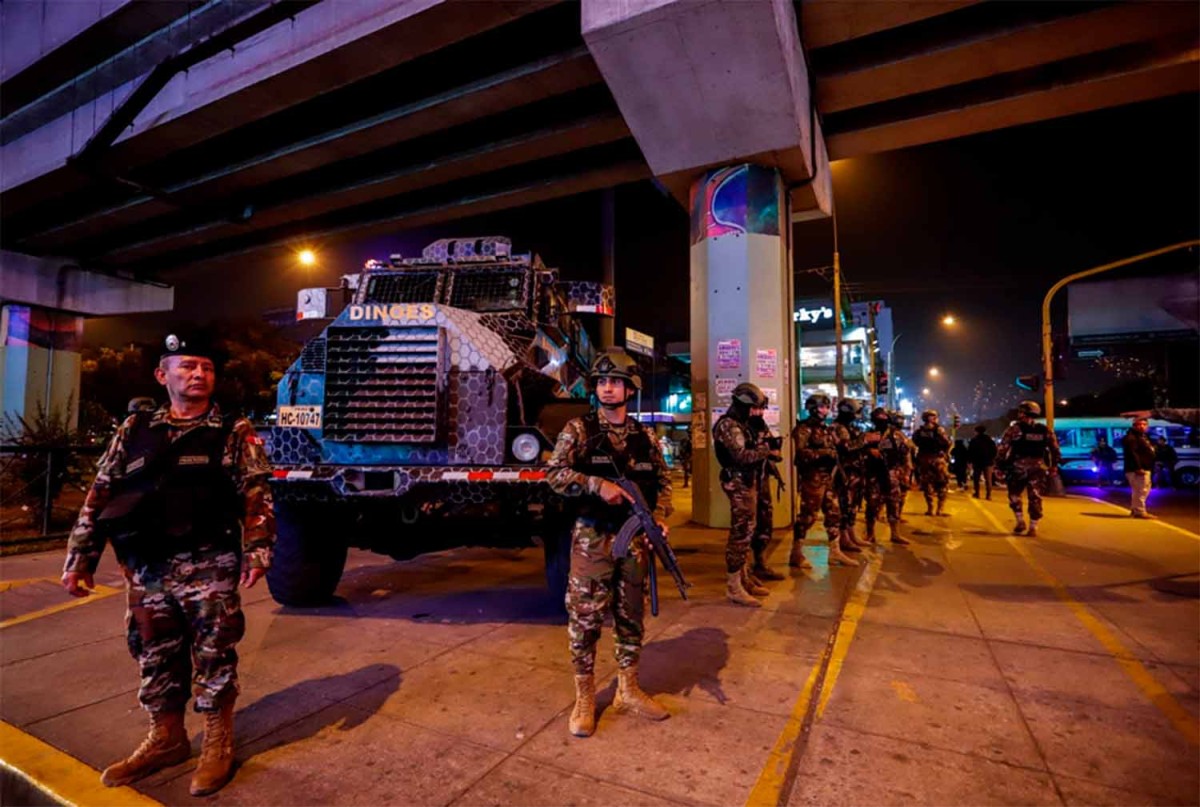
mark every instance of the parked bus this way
{"type": "Point", "coordinates": [1077, 437]}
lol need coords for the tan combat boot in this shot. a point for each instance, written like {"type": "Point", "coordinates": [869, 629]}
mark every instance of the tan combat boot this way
{"type": "Point", "coordinates": [167, 744]}
{"type": "Point", "coordinates": [847, 543]}
{"type": "Point", "coordinates": [630, 697]}
{"type": "Point", "coordinates": [839, 558]}
{"type": "Point", "coordinates": [736, 593]}
{"type": "Point", "coordinates": [797, 560]}
{"type": "Point", "coordinates": [216, 754]}
{"type": "Point", "coordinates": [894, 534]}
{"type": "Point", "coordinates": [761, 570]}
{"type": "Point", "coordinates": [752, 584]}
{"type": "Point", "coordinates": [1032, 532]}
{"type": "Point", "coordinates": [583, 716]}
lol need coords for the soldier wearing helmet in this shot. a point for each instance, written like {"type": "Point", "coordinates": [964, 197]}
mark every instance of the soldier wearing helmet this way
{"type": "Point", "coordinates": [887, 471]}
{"type": "Point", "coordinates": [590, 452]}
{"type": "Point", "coordinates": [815, 452]}
{"type": "Point", "coordinates": [933, 467]}
{"type": "Point", "coordinates": [1025, 449]}
{"type": "Point", "coordinates": [851, 483]}
{"type": "Point", "coordinates": [742, 442]}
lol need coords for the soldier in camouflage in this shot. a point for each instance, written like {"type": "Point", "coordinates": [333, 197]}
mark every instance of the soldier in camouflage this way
{"type": "Point", "coordinates": [741, 443]}
{"type": "Point", "coordinates": [933, 469]}
{"type": "Point", "coordinates": [852, 481]}
{"type": "Point", "coordinates": [591, 451]}
{"type": "Point", "coordinates": [887, 471]}
{"type": "Point", "coordinates": [1024, 450]}
{"type": "Point", "coordinates": [814, 444]}
{"type": "Point", "coordinates": [182, 493]}
{"type": "Point", "coordinates": [909, 453]}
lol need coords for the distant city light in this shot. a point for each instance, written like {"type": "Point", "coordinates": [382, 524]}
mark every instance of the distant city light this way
{"type": "Point", "coordinates": [1063, 402]}
{"type": "Point", "coordinates": [307, 257]}
{"type": "Point", "coordinates": [934, 372]}
{"type": "Point", "coordinates": [949, 319]}
{"type": "Point", "coordinates": [925, 391]}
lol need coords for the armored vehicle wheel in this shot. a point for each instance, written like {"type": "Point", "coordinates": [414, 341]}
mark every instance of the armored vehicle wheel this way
{"type": "Point", "coordinates": [310, 555]}
{"type": "Point", "coordinates": [557, 545]}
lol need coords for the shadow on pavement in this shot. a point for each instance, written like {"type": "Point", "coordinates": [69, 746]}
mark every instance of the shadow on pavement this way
{"type": "Point", "coordinates": [677, 666]}
{"type": "Point", "coordinates": [374, 683]}
{"type": "Point", "coordinates": [527, 604]}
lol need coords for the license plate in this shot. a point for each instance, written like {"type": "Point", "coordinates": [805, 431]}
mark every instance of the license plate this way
{"type": "Point", "coordinates": [299, 417]}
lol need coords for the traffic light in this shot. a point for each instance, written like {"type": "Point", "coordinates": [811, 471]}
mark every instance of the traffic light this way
{"type": "Point", "coordinates": [1029, 382]}
{"type": "Point", "coordinates": [881, 383]}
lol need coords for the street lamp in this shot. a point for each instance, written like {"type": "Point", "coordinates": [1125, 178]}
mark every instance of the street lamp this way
{"type": "Point", "coordinates": [949, 320]}
{"type": "Point", "coordinates": [934, 372]}
{"type": "Point", "coordinates": [306, 257]}
{"type": "Point", "coordinates": [925, 391]}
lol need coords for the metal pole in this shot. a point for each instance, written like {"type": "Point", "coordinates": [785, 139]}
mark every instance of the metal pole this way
{"type": "Point", "coordinates": [1047, 346]}
{"type": "Point", "coordinates": [46, 511]}
{"type": "Point", "coordinates": [837, 324]}
{"type": "Point", "coordinates": [872, 344]}
{"type": "Point", "coordinates": [608, 263]}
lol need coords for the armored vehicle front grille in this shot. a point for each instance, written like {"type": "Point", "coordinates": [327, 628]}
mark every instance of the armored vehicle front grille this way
{"type": "Point", "coordinates": [404, 287]}
{"type": "Point", "coordinates": [312, 358]}
{"type": "Point", "coordinates": [382, 385]}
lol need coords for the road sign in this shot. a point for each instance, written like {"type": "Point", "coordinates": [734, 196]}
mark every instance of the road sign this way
{"type": "Point", "coordinates": [639, 342]}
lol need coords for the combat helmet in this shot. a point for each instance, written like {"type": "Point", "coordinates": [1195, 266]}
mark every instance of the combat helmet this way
{"type": "Point", "coordinates": [615, 363]}
{"type": "Point", "coordinates": [928, 415]}
{"type": "Point", "coordinates": [880, 415]}
{"type": "Point", "coordinates": [749, 395]}
{"type": "Point", "coordinates": [816, 401]}
{"type": "Point", "coordinates": [1030, 408]}
{"type": "Point", "coordinates": [849, 407]}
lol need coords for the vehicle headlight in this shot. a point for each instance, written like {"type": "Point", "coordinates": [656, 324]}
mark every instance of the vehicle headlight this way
{"type": "Point", "coordinates": [526, 447]}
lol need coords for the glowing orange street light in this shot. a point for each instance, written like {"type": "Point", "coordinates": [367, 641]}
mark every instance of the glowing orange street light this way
{"type": "Point", "coordinates": [925, 391]}
{"type": "Point", "coordinates": [306, 257]}
{"type": "Point", "coordinates": [949, 320]}
{"type": "Point", "coordinates": [934, 372]}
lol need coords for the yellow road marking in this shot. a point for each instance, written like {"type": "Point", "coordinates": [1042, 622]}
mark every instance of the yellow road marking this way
{"type": "Point", "coordinates": [98, 593]}
{"type": "Point", "coordinates": [59, 774]}
{"type": "Point", "coordinates": [1157, 521]}
{"type": "Point", "coordinates": [9, 585]}
{"type": "Point", "coordinates": [772, 779]}
{"type": "Point", "coordinates": [1180, 718]}
{"type": "Point", "coordinates": [904, 692]}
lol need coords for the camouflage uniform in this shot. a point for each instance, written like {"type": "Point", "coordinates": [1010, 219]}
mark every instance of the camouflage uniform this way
{"type": "Point", "coordinates": [933, 471]}
{"type": "Point", "coordinates": [597, 581]}
{"type": "Point", "coordinates": [888, 471]}
{"type": "Point", "coordinates": [815, 447]}
{"type": "Point", "coordinates": [748, 489]}
{"type": "Point", "coordinates": [852, 481]}
{"type": "Point", "coordinates": [1025, 448]}
{"type": "Point", "coordinates": [184, 614]}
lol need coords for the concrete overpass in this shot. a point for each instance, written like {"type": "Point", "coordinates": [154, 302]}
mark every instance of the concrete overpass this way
{"type": "Point", "coordinates": [142, 135]}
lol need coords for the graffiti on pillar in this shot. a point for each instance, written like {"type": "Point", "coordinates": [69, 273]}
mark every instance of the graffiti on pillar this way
{"type": "Point", "coordinates": [735, 200]}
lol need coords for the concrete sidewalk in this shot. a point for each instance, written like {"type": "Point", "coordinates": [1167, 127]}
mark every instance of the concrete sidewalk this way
{"type": "Point", "coordinates": [972, 668]}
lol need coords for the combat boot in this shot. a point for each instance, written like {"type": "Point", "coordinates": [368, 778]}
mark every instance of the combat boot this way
{"type": "Point", "coordinates": [753, 585]}
{"type": "Point", "coordinates": [167, 744]}
{"type": "Point", "coordinates": [736, 593]}
{"type": "Point", "coordinates": [216, 753]}
{"type": "Point", "coordinates": [796, 559]}
{"type": "Point", "coordinates": [839, 558]}
{"type": "Point", "coordinates": [583, 716]}
{"type": "Point", "coordinates": [1020, 528]}
{"type": "Point", "coordinates": [762, 571]}
{"type": "Point", "coordinates": [1032, 531]}
{"type": "Point", "coordinates": [630, 697]}
{"type": "Point", "coordinates": [869, 537]}
{"type": "Point", "coordinates": [847, 543]}
{"type": "Point", "coordinates": [895, 536]}
{"type": "Point", "coordinates": [941, 510]}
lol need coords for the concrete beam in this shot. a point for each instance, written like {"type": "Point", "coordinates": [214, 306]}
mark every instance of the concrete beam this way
{"type": "Point", "coordinates": [707, 83]}
{"type": "Point", "coordinates": [324, 47]}
{"type": "Point", "coordinates": [59, 284]}
{"type": "Point", "coordinates": [829, 22]}
{"type": "Point", "coordinates": [35, 28]}
{"type": "Point", "coordinates": [1005, 52]}
{"type": "Point", "coordinates": [1157, 77]}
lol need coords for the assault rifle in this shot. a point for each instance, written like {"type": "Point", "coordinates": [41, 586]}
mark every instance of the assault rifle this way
{"type": "Point", "coordinates": [775, 443]}
{"type": "Point", "coordinates": [642, 521]}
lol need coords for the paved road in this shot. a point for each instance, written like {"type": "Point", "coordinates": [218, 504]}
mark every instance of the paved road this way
{"type": "Point", "coordinates": [1178, 507]}
{"type": "Point", "coordinates": [972, 668]}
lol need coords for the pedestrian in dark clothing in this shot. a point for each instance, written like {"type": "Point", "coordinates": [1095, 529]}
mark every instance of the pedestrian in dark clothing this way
{"type": "Point", "coordinates": [1105, 457]}
{"type": "Point", "coordinates": [1165, 458]}
{"type": "Point", "coordinates": [981, 453]}
{"type": "Point", "coordinates": [958, 463]}
{"type": "Point", "coordinates": [1139, 463]}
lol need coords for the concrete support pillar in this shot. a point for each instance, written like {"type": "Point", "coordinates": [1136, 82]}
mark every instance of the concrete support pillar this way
{"type": "Point", "coordinates": [740, 317]}
{"type": "Point", "coordinates": [39, 362]}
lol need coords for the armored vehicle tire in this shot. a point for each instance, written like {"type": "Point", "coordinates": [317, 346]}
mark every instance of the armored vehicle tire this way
{"type": "Point", "coordinates": [309, 557]}
{"type": "Point", "coordinates": [557, 545]}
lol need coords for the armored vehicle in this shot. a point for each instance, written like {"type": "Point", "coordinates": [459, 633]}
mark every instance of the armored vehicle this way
{"type": "Point", "coordinates": [423, 414]}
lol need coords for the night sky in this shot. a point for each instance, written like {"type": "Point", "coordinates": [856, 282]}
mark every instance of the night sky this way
{"type": "Point", "coordinates": [980, 227]}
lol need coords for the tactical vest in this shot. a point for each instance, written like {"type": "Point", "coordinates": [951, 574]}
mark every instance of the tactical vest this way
{"type": "Point", "coordinates": [820, 437]}
{"type": "Point", "coordinates": [724, 458]}
{"type": "Point", "coordinates": [1032, 444]}
{"type": "Point", "coordinates": [853, 450]}
{"type": "Point", "coordinates": [892, 447]}
{"type": "Point", "coordinates": [601, 458]}
{"type": "Point", "coordinates": [172, 497]}
{"type": "Point", "coordinates": [928, 442]}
